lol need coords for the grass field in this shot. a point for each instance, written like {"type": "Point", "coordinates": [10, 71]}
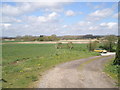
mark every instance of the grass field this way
{"type": "Point", "coordinates": [23, 64]}
{"type": "Point", "coordinates": [11, 41]}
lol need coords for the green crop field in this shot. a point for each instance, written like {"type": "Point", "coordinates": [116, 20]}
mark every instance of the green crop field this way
{"type": "Point", "coordinates": [23, 64]}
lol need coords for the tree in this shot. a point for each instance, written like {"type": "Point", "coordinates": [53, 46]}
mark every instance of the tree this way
{"type": "Point", "coordinates": [53, 37]}
{"type": "Point", "coordinates": [105, 45]}
{"type": "Point", "coordinates": [28, 38]}
{"type": "Point", "coordinates": [48, 38]}
{"type": "Point", "coordinates": [18, 38]}
{"type": "Point", "coordinates": [117, 58]}
{"type": "Point", "coordinates": [109, 42]}
{"type": "Point", "coordinates": [92, 45]}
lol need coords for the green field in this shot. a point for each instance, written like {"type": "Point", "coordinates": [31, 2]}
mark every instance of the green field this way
{"type": "Point", "coordinates": [23, 64]}
{"type": "Point", "coordinates": [12, 41]}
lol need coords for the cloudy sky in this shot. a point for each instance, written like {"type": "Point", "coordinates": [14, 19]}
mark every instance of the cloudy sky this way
{"type": "Point", "coordinates": [60, 18]}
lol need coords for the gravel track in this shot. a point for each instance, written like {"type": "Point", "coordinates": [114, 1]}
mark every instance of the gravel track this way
{"type": "Point", "coordinates": [69, 75]}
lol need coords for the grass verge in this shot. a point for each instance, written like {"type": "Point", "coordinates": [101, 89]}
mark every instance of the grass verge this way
{"type": "Point", "coordinates": [113, 71]}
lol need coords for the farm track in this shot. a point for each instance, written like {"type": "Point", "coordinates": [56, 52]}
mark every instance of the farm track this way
{"type": "Point", "coordinates": [83, 73]}
{"type": "Point", "coordinates": [52, 42]}
{"type": "Point", "coordinates": [42, 42]}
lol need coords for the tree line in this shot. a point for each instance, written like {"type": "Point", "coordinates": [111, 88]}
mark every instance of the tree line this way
{"type": "Point", "coordinates": [37, 38]}
{"type": "Point", "coordinates": [52, 37]}
{"type": "Point", "coordinates": [108, 43]}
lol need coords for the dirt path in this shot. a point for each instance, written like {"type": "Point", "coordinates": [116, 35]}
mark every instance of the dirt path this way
{"type": "Point", "coordinates": [83, 73]}
{"type": "Point", "coordinates": [46, 42]}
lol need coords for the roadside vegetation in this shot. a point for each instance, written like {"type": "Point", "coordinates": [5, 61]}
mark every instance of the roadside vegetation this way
{"type": "Point", "coordinates": [113, 71]}
{"type": "Point", "coordinates": [109, 43]}
{"type": "Point", "coordinates": [113, 67]}
{"type": "Point", "coordinates": [23, 64]}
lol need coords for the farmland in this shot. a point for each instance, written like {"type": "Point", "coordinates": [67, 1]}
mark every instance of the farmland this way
{"type": "Point", "coordinates": [80, 41]}
{"type": "Point", "coordinates": [23, 64]}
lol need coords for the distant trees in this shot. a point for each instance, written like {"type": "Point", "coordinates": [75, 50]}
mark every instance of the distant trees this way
{"type": "Point", "coordinates": [41, 38]}
{"type": "Point", "coordinates": [54, 37]}
{"type": "Point", "coordinates": [36, 38]}
{"type": "Point", "coordinates": [77, 37]}
{"type": "Point", "coordinates": [48, 38]}
{"type": "Point", "coordinates": [108, 42]}
{"type": "Point", "coordinates": [117, 58]}
{"type": "Point", "coordinates": [25, 38]}
{"type": "Point", "coordinates": [88, 36]}
{"type": "Point", "coordinates": [18, 38]}
{"type": "Point", "coordinates": [28, 38]}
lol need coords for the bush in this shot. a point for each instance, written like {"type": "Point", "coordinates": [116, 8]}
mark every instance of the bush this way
{"type": "Point", "coordinates": [70, 45]}
{"type": "Point", "coordinates": [59, 45]}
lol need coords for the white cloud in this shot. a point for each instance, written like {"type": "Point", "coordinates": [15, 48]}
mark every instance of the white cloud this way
{"type": "Point", "coordinates": [100, 14]}
{"type": "Point", "coordinates": [5, 25]}
{"type": "Point", "coordinates": [84, 23]}
{"type": "Point", "coordinates": [93, 28]}
{"type": "Point", "coordinates": [49, 22]}
{"type": "Point", "coordinates": [47, 18]}
{"type": "Point", "coordinates": [86, 27]}
{"type": "Point", "coordinates": [23, 8]}
{"type": "Point", "coordinates": [99, 6]}
{"type": "Point", "coordinates": [52, 9]}
{"type": "Point", "coordinates": [32, 29]}
{"type": "Point", "coordinates": [110, 25]}
{"type": "Point", "coordinates": [40, 0]}
{"type": "Point", "coordinates": [70, 13]}
{"type": "Point", "coordinates": [116, 15]}
{"type": "Point", "coordinates": [52, 15]}
{"type": "Point", "coordinates": [65, 26]}
{"type": "Point", "coordinates": [79, 28]}
{"type": "Point", "coordinates": [6, 19]}
{"type": "Point", "coordinates": [16, 10]}
{"type": "Point", "coordinates": [42, 19]}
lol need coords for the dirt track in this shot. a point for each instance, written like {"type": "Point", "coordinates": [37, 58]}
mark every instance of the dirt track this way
{"type": "Point", "coordinates": [82, 73]}
{"type": "Point", "coordinates": [41, 42]}
{"type": "Point", "coordinates": [82, 41]}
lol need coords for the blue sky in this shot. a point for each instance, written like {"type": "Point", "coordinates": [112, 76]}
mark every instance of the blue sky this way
{"type": "Point", "coordinates": [60, 18]}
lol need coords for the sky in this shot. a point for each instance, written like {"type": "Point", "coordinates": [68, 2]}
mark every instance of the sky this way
{"type": "Point", "coordinates": [60, 18]}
